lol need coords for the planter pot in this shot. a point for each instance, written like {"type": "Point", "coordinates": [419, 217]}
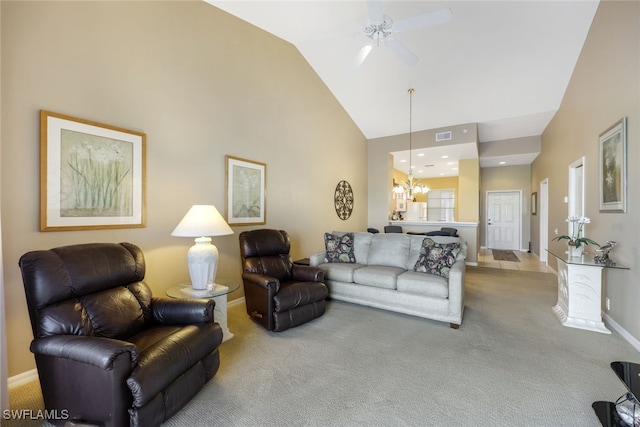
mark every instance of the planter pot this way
{"type": "Point", "coordinates": [576, 251]}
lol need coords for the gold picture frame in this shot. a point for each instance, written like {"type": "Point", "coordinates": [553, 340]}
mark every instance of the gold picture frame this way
{"type": "Point", "coordinates": [246, 194]}
{"type": "Point", "coordinates": [92, 175]}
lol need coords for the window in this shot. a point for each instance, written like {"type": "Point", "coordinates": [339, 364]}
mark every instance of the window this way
{"type": "Point", "coordinates": [441, 205]}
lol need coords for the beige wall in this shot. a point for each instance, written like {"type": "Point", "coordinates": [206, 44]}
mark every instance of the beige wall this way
{"type": "Point", "coordinates": [380, 164]}
{"type": "Point", "coordinates": [201, 84]}
{"type": "Point", "coordinates": [507, 178]}
{"type": "Point", "coordinates": [4, 398]}
{"type": "Point", "coordinates": [468, 190]}
{"type": "Point", "coordinates": [605, 87]}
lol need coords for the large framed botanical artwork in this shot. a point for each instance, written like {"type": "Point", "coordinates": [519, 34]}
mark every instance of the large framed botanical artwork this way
{"type": "Point", "coordinates": [613, 168]}
{"type": "Point", "coordinates": [92, 175]}
{"type": "Point", "coordinates": [246, 197]}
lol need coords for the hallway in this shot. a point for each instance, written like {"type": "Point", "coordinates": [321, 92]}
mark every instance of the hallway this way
{"type": "Point", "coordinates": [528, 262]}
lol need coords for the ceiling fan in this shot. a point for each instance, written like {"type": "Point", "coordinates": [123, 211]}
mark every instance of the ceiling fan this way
{"type": "Point", "coordinates": [380, 29]}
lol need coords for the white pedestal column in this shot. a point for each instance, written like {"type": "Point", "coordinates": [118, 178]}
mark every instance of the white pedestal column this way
{"type": "Point", "coordinates": [220, 311]}
{"type": "Point", "coordinates": [580, 297]}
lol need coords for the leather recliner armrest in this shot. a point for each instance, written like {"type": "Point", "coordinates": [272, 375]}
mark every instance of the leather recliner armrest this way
{"type": "Point", "coordinates": [306, 273]}
{"type": "Point", "coordinates": [96, 351]}
{"type": "Point", "coordinates": [262, 280]}
{"type": "Point", "coordinates": [169, 311]}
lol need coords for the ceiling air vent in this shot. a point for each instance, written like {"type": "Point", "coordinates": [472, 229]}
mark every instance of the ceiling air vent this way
{"type": "Point", "coordinates": [443, 136]}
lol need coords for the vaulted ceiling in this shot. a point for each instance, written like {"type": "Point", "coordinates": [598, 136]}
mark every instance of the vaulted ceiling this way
{"type": "Point", "coordinates": [504, 65]}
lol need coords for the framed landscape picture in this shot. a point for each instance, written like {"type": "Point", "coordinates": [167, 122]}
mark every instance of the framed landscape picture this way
{"type": "Point", "coordinates": [246, 198]}
{"type": "Point", "coordinates": [92, 175]}
{"type": "Point", "coordinates": [534, 203]}
{"type": "Point", "coordinates": [613, 168]}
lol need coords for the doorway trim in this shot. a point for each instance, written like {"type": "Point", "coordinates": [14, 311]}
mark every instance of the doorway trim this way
{"type": "Point", "coordinates": [577, 175]}
{"type": "Point", "coordinates": [543, 209]}
{"type": "Point", "coordinates": [575, 205]}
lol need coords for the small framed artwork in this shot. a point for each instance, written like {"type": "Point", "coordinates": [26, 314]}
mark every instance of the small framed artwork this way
{"type": "Point", "coordinates": [246, 197]}
{"type": "Point", "coordinates": [92, 175]}
{"type": "Point", "coordinates": [613, 168]}
{"type": "Point", "coordinates": [534, 203]}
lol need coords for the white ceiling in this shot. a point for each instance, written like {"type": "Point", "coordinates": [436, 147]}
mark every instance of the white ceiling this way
{"type": "Point", "coordinates": [504, 65]}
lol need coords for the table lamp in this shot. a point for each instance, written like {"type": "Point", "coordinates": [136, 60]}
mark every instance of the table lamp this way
{"type": "Point", "coordinates": [202, 221]}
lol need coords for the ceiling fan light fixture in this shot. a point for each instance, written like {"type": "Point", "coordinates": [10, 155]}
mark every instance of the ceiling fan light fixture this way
{"type": "Point", "coordinates": [380, 29]}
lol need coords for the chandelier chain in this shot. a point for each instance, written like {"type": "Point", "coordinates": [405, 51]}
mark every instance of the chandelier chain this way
{"type": "Point", "coordinates": [410, 127]}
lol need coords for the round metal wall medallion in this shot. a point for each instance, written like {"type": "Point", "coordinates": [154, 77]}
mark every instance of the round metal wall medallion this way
{"type": "Point", "coordinates": [343, 200]}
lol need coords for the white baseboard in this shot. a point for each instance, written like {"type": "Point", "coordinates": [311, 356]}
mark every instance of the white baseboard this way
{"type": "Point", "coordinates": [235, 302]}
{"type": "Point", "coordinates": [623, 333]}
{"type": "Point", "coordinates": [22, 378]}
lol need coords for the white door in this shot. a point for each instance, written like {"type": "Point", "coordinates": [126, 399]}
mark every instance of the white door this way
{"type": "Point", "coordinates": [503, 220]}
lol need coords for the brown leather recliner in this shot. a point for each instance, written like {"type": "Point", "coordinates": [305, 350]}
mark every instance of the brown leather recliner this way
{"type": "Point", "coordinates": [278, 293]}
{"type": "Point", "coordinates": [109, 353]}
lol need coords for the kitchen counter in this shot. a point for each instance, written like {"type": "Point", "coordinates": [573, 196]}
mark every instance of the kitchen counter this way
{"type": "Point", "coordinates": [466, 230]}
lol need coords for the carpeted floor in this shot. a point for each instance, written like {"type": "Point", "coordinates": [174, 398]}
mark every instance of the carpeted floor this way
{"type": "Point", "coordinates": [502, 255]}
{"type": "Point", "coordinates": [511, 363]}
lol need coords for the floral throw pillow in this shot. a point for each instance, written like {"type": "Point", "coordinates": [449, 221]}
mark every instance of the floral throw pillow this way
{"type": "Point", "coordinates": [339, 248]}
{"type": "Point", "coordinates": [437, 258]}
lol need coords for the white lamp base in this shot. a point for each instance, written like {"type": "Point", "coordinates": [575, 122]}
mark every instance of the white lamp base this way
{"type": "Point", "coordinates": [203, 263]}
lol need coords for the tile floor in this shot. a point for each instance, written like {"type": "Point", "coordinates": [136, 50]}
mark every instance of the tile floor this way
{"type": "Point", "coordinates": [528, 262]}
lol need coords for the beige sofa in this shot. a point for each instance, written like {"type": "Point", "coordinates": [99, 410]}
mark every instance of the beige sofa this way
{"type": "Point", "coordinates": [381, 274]}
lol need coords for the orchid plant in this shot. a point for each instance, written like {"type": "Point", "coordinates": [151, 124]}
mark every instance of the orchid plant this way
{"type": "Point", "coordinates": [577, 226]}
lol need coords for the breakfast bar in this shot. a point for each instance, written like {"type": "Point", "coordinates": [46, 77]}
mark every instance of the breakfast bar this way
{"type": "Point", "coordinates": [466, 230]}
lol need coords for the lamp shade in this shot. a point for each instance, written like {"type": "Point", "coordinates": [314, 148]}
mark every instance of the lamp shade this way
{"type": "Point", "coordinates": [201, 221]}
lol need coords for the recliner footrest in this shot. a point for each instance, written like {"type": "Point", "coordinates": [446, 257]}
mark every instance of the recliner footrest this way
{"type": "Point", "coordinates": [296, 294]}
{"type": "Point", "coordinates": [161, 363]}
{"type": "Point", "coordinates": [298, 316]}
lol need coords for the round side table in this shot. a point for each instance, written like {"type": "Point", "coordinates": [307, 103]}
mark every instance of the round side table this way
{"type": "Point", "coordinates": [218, 292]}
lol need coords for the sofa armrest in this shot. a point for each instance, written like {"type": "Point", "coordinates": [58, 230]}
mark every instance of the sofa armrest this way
{"type": "Point", "coordinates": [306, 273]}
{"type": "Point", "coordinates": [167, 311]}
{"type": "Point", "coordinates": [317, 259]}
{"type": "Point", "coordinates": [96, 351]}
{"type": "Point", "coordinates": [456, 287]}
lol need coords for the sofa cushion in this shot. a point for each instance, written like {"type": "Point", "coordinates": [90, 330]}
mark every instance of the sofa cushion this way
{"type": "Point", "coordinates": [416, 246]}
{"type": "Point", "coordinates": [423, 284]}
{"type": "Point", "coordinates": [339, 248]}
{"type": "Point", "coordinates": [437, 258]}
{"type": "Point", "coordinates": [377, 276]}
{"type": "Point", "coordinates": [341, 272]}
{"type": "Point", "coordinates": [389, 249]}
{"type": "Point", "coordinates": [361, 243]}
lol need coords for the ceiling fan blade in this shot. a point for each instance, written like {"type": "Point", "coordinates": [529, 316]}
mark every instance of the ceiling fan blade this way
{"type": "Point", "coordinates": [375, 9]}
{"type": "Point", "coordinates": [402, 52]}
{"type": "Point", "coordinates": [361, 56]}
{"type": "Point", "coordinates": [438, 17]}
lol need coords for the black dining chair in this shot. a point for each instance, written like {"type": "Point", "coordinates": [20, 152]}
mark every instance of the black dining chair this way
{"type": "Point", "coordinates": [392, 229]}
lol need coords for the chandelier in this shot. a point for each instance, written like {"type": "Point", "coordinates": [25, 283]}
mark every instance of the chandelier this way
{"type": "Point", "coordinates": [411, 187]}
